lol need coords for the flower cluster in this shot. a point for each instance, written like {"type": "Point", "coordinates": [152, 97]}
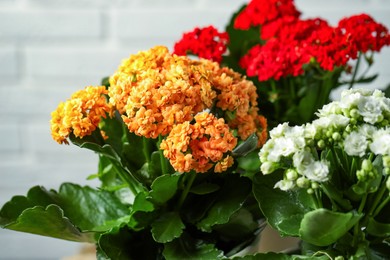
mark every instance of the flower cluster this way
{"type": "Point", "coordinates": [357, 124]}
{"type": "Point", "coordinates": [291, 42]}
{"type": "Point", "coordinates": [157, 93]}
{"type": "Point", "coordinates": [205, 42]}
{"type": "Point", "coordinates": [289, 58]}
{"type": "Point", "coordinates": [259, 12]}
{"type": "Point", "coordinates": [201, 145]}
{"type": "Point", "coordinates": [81, 114]}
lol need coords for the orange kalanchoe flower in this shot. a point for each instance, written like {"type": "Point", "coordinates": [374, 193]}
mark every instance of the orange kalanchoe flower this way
{"type": "Point", "coordinates": [200, 146]}
{"type": "Point", "coordinates": [80, 114]}
{"type": "Point", "coordinates": [154, 90]}
{"type": "Point", "coordinates": [239, 96]}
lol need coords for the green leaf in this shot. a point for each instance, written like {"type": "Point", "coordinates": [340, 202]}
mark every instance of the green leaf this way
{"type": "Point", "coordinates": [107, 173]}
{"type": "Point", "coordinates": [367, 79]}
{"type": "Point", "coordinates": [333, 226]}
{"type": "Point", "coordinates": [167, 227]}
{"type": "Point", "coordinates": [265, 256]}
{"type": "Point", "coordinates": [105, 81]}
{"type": "Point", "coordinates": [249, 163]}
{"type": "Point", "coordinates": [50, 222]}
{"type": "Point", "coordinates": [186, 247]}
{"type": "Point", "coordinates": [387, 91]}
{"type": "Point", "coordinates": [247, 146]}
{"type": "Point", "coordinates": [74, 207]}
{"type": "Point", "coordinates": [154, 166]}
{"type": "Point", "coordinates": [378, 229]}
{"type": "Point", "coordinates": [88, 207]}
{"type": "Point", "coordinates": [378, 251]}
{"type": "Point", "coordinates": [240, 226]}
{"type": "Point", "coordinates": [284, 210]}
{"type": "Point", "coordinates": [205, 188]}
{"type": "Point", "coordinates": [240, 41]}
{"type": "Point", "coordinates": [125, 244]}
{"type": "Point", "coordinates": [143, 212]}
{"type": "Point", "coordinates": [229, 200]}
{"type": "Point", "coordinates": [164, 188]}
{"type": "Point", "coordinates": [308, 104]}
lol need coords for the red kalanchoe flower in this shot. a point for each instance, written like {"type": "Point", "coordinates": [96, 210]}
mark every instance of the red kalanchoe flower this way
{"type": "Point", "coordinates": [290, 28]}
{"type": "Point", "coordinates": [329, 47]}
{"type": "Point", "coordinates": [204, 42]}
{"type": "Point", "coordinates": [364, 33]}
{"type": "Point", "coordinates": [274, 60]}
{"type": "Point", "coordinates": [259, 12]}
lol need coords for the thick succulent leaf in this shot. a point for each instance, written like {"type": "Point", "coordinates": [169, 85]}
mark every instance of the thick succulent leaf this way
{"type": "Point", "coordinates": [167, 227]}
{"type": "Point", "coordinates": [73, 210]}
{"type": "Point", "coordinates": [228, 201]}
{"type": "Point", "coordinates": [125, 244]}
{"type": "Point", "coordinates": [264, 256]}
{"type": "Point", "coordinates": [378, 229]}
{"type": "Point", "coordinates": [247, 146]}
{"type": "Point", "coordinates": [284, 210]}
{"type": "Point", "coordinates": [308, 104]}
{"type": "Point", "coordinates": [240, 42]}
{"type": "Point", "coordinates": [204, 188]}
{"type": "Point", "coordinates": [186, 247]}
{"type": "Point", "coordinates": [50, 222]}
{"type": "Point", "coordinates": [143, 212]}
{"type": "Point", "coordinates": [240, 226]}
{"type": "Point", "coordinates": [164, 188]}
{"type": "Point", "coordinates": [88, 207]}
{"type": "Point", "coordinates": [334, 225]}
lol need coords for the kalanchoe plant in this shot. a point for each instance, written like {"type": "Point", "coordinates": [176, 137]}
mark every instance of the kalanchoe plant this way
{"type": "Point", "coordinates": [295, 63]}
{"type": "Point", "coordinates": [177, 141]}
{"type": "Point", "coordinates": [333, 173]}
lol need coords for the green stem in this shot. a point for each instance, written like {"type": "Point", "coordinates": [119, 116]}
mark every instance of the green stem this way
{"type": "Point", "coordinates": [163, 160]}
{"type": "Point", "coordinates": [319, 199]}
{"type": "Point", "coordinates": [292, 89]}
{"type": "Point", "coordinates": [145, 149]}
{"type": "Point", "coordinates": [356, 228]}
{"type": "Point", "coordinates": [362, 203]}
{"type": "Point", "coordinates": [315, 200]}
{"type": "Point", "coordinates": [335, 197]}
{"type": "Point", "coordinates": [355, 71]}
{"type": "Point", "coordinates": [274, 100]}
{"type": "Point", "coordinates": [381, 206]}
{"type": "Point", "coordinates": [188, 185]}
{"type": "Point", "coordinates": [133, 184]}
{"type": "Point", "coordinates": [377, 201]}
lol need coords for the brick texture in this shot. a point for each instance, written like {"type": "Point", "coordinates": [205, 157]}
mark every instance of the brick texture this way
{"type": "Point", "coordinates": [51, 48]}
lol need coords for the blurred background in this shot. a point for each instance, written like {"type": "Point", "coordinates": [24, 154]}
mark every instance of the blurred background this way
{"type": "Point", "coordinates": [51, 48]}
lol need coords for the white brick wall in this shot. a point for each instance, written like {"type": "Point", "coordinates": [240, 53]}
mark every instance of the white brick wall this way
{"type": "Point", "coordinates": [50, 48]}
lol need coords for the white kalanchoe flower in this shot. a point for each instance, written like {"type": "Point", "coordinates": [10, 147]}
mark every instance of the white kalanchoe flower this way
{"type": "Point", "coordinates": [283, 147]}
{"type": "Point", "coordinates": [381, 142]}
{"type": "Point", "coordinates": [317, 171]}
{"type": "Point", "coordinates": [268, 167]}
{"type": "Point", "coordinates": [350, 98]}
{"type": "Point", "coordinates": [355, 144]}
{"type": "Point", "coordinates": [302, 159]}
{"type": "Point", "coordinates": [310, 131]}
{"type": "Point", "coordinates": [329, 109]}
{"type": "Point", "coordinates": [297, 135]}
{"type": "Point", "coordinates": [358, 123]}
{"type": "Point", "coordinates": [279, 130]}
{"type": "Point", "coordinates": [378, 93]}
{"type": "Point", "coordinates": [284, 185]}
{"type": "Point", "coordinates": [367, 131]}
{"type": "Point", "coordinates": [370, 109]}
